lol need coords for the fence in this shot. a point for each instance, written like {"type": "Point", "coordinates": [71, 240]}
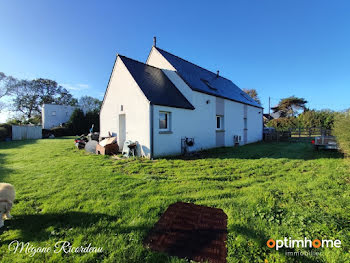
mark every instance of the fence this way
{"type": "Point", "coordinates": [309, 132]}
{"type": "Point", "coordinates": [26, 132]}
{"type": "Point", "coordinates": [296, 134]}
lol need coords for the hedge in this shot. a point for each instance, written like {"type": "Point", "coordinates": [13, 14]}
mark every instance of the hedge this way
{"type": "Point", "coordinates": [342, 131]}
{"type": "Point", "coordinates": [61, 131]}
{"type": "Point", "coordinates": [5, 131]}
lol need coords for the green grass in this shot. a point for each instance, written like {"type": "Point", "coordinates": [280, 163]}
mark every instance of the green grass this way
{"type": "Point", "coordinates": [273, 190]}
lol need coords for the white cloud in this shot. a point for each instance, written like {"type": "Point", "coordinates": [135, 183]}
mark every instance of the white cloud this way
{"type": "Point", "coordinates": [77, 87]}
{"type": "Point", "coordinates": [5, 115]}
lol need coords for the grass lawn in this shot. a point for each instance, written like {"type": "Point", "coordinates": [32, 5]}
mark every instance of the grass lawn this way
{"type": "Point", "coordinates": [273, 190]}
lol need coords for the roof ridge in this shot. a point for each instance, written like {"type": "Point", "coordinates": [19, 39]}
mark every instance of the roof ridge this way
{"type": "Point", "coordinates": [192, 63]}
{"type": "Point", "coordinates": [130, 65]}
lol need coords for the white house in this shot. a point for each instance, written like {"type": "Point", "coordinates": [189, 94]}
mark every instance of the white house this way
{"type": "Point", "coordinates": [53, 115]}
{"type": "Point", "coordinates": [167, 99]}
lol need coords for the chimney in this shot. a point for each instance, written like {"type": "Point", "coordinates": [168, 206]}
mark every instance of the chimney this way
{"type": "Point", "coordinates": [154, 41]}
{"type": "Point", "coordinates": [217, 73]}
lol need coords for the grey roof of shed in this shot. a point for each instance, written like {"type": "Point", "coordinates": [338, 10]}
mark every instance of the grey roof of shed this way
{"type": "Point", "coordinates": [203, 80]}
{"type": "Point", "coordinates": [156, 86]}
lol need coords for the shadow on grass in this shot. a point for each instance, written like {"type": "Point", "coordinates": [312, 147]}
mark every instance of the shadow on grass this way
{"type": "Point", "coordinates": [273, 150]}
{"type": "Point", "coordinates": [16, 144]}
{"type": "Point", "coordinates": [4, 172]}
{"type": "Point", "coordinates": [259, 237]}
{"type": "Point", "coordinates": [41, 227]}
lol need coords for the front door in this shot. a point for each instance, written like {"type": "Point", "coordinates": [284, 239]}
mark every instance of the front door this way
{"type": "Point", "coordinates": [122, 131]}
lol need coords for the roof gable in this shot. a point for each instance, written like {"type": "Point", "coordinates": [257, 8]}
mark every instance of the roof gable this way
{"type": "Point", "coordinates": [203, 80]}
{"type": "Point", "coordinates": [155, 85]}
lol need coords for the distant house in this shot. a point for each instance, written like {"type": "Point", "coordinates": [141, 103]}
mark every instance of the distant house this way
{"type": "Point", "coordinates": [267, 117]}
{"type": "Point", "coordinates": [54, 115]}
{"type": "Point", "coordinates": [168, 101]}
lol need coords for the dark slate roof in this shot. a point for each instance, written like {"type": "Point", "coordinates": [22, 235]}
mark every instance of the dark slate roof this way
{"type": "Point", "coordinates": [156, 86]}
{"type": "Point", "coordinates": [202, 80]}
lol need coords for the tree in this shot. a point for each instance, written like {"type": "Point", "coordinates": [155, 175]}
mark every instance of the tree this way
{"type": "Point", "coordinates": [77, 123]}
{"type": "Point", "coordinates": [253, 94]}
{"type": "Point", "coordinates": [6, 86]}
{"type": "Point", "coordinates": [87, 104]}
{"type": "Point", "coordinates": [65, 98]}
{"type": "Point", "coordinates": [327, 118]}
{"type": "Point", "coordinates": [314, 118]}
{"type": "Point", "coordinates": [30, 95]}
{"type": "Point", "coordinates": [93, 118]}
{"type": "Point", "coordinates": [309, 119]}
{"type": "Point", "coordinates": [26, 100]}
{"type": "Point", "coordinates": [290, 106]}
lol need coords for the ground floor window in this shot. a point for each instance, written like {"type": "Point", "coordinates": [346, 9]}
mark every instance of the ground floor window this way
{"type": "Point", "coordinates": [164, 121]}
{"type": "Point", "coordinates": [219, 122]}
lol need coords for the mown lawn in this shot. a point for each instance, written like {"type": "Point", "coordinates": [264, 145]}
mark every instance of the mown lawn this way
{"type": "Point", "coordinates": [271, 190]}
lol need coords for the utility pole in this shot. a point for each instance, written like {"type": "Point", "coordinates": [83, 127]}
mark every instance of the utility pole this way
{"type": "Point", "coordinates": [269, 106]}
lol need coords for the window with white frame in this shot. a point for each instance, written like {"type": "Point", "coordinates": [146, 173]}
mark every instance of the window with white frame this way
{"type": "Point", "coordinates": [164, 121]}
{"type": "Point", "coordinates": [219, 122]}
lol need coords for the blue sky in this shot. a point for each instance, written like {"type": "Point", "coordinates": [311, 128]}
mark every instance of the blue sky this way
{"type": "Point", "coordinates": [279, 48]}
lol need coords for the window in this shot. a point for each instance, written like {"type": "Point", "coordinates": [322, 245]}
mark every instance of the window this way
{"type": "Point", "coordinates": [208, 84]}
{"type": "Point", "coordinates": [53, 113]}
{"type": "Point", "coordinates": [219, 122]}
{"type": "Point", "coordinates": [164, 121]}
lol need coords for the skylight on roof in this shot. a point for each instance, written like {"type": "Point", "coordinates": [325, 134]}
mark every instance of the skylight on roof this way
{"type": "Point", "coordinates": [208, 84]}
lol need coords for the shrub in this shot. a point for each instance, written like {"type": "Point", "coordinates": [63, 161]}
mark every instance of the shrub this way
{"type": "Point", "coordinates": [3, 133]}
{"type": "Point", "coordinates": [61, 131]}
{"type": "Point", "coordinates": [283, 124]}
{"type": "Point", "coordinates": [46, 133]}
{"type": "Point", "coordinates": [342, 131]}
{"type": "Point", "coordinates": [6, 131]}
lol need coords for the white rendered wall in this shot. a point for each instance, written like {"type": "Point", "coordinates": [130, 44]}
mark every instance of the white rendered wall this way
{"type": "Point", "coordinates": [255, 124]}
{"type": "Point", "coordinates": [62, 115]}
{"type": "Point", "coordinates": [123, 90]}
{"type": "Point", "coordinates": [199, 124]}
{"type": "Point", "coordinates": [157, 60]}
{"type": "Point", "coordinates": [234, 122]}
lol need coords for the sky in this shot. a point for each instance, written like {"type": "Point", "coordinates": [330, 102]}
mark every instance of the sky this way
{"type": "Point", "coordinates": [279, 48]}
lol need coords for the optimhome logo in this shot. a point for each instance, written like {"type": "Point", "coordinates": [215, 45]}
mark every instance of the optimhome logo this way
{"type": "Point", "coordinates": [303, 243]}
